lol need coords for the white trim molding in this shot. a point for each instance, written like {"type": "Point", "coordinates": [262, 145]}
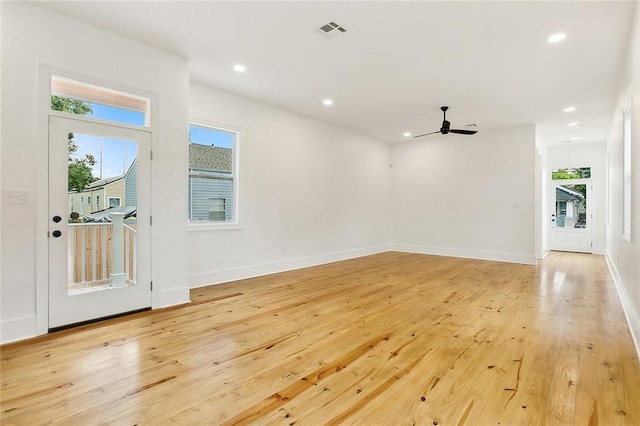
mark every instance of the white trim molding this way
{"type": "Point", "coordinates": [630, 313]}
{"type": "Point", "coordinates": [527, 259]}
{"type": "Point", "coordinates": [13, 330]}
{"type": "Point", "coordinates": [258, 270]}
{"type": "Point", "coordinates": [175, 296]}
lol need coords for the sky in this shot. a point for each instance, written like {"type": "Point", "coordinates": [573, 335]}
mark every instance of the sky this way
{"type": "Point", "coordinates": [207, 136]}
{"type": "Point", "coordinates": [114, 156]}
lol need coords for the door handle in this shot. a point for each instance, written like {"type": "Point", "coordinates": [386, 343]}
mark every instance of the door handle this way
{"type": "Point", "coordinates": [56, 219]}
{"type": "Point", "coordinates": [56, 234]}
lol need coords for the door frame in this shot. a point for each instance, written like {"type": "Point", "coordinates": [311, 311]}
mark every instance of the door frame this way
{"type": "Point", "coordinates": [551, 209]}
{"type": "Point", "coordinates": [41, 160]}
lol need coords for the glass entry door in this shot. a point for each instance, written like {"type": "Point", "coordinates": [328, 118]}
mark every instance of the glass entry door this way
{"type": "Point", "coordinates": [571, 215]}
{"type": "Point", "coordinates": [99, 247]}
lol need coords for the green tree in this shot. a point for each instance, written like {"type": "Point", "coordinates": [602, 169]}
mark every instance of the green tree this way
{"type": "Point", "coordinates": [80, 171]}
{"type": "Point", "coordinates": [565, 174]}
{"type": "Point", "coordinates": [75, 106]}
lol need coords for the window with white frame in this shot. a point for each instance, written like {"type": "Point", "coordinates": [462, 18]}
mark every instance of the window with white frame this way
{"type": "Point", "coordinates": [76, 97]}
{"type": "Point", "coordinates": [212, 174]}
{"type": "Point", "coordinates": [114, 202]}
{"type": "Point", "coordinates": [216, 209]}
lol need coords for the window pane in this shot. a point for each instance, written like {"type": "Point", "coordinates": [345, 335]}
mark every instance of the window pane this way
{"type": "Point", "coordinates": [204, 189]}
{"type": "Point", "coordinates": [571, 206]}
{"type": "Point", "coordinates": [576, 173]}
{"type": "Point", "coordinates": [121, 115]}
{"type": "Point", "coordinates": [211, 174]}
{"type": "Point", "coordinates": [98, 102]}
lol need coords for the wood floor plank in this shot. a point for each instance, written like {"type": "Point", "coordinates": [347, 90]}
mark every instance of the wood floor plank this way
{"type": "Point", "coordinates": [393, 338]}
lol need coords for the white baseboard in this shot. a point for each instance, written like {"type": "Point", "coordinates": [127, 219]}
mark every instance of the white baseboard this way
{"type": "Point", "coordinates": [175, 296]}
{"type": "Point", "coordinates": [543, 253]}
{"type": "Point", "coordinates": [527, 259]}
{"type": "Point", "coordinates": [16, 329]}
{"type": "Point", "coordinates": [251, 271]}
{"type": "Point", "coordinates": [631, 314]}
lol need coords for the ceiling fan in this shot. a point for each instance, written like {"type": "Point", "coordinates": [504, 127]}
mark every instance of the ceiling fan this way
{"type": "Point", "coordinates": [446, 127]}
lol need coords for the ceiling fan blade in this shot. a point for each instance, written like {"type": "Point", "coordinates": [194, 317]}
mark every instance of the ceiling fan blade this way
{"type": "Point", "coordinates": [463, 132]}
{"type": "Point", "coordinates": [427, 134]}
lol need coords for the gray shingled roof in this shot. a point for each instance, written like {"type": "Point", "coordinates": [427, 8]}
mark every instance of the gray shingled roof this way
{"type": "Point", "coordinates": [564, 194]}
{"type": "Point", "coordinates": [210, 158]}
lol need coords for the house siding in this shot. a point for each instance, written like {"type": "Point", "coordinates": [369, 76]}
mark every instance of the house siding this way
{"type": "Point", "coordinates": [130, 183]}
{"type": "Point", "coordinates": [116, 189]}
{"type": "Point", "coordinates": [203, 189]}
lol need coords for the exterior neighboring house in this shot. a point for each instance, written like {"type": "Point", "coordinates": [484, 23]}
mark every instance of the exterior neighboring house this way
{"type": "Point", "coordinates": [570, 208]}
{"type": "Point", "coordinates": [116, 191]}
{"type": "Point", "coordinates": [210, 184]}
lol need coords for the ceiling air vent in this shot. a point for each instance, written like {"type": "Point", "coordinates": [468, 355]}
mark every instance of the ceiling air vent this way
{"type": "Point", "coordinates": [331, 29]}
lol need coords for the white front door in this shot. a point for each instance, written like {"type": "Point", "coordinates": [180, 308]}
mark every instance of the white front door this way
{"type": "Point", "coordinates": [99, 256]}
{"type": "Point", "coordinates": [570, 215]}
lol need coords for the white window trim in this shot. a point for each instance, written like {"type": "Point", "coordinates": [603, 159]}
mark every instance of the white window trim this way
{"type": "Point", "coordinates": [237, 201]}
{"type": "Point", "coordinates": [114, 198]}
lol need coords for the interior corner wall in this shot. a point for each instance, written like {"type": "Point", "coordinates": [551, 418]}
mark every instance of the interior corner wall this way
{"type": "Point", "coordinates": [310, 193]}
{"type": "Point", "coordinates": [624, 256]}
{"type": "Point", "coordinates": [593, 155]}
{"type": "Point", "coordinates": [33, 37]}
{"type": "Point", "coordinates": [466, 196]}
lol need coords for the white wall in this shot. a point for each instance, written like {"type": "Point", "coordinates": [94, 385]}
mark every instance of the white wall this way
{"type": "Point", "coordinates": [1, 182]}
{"type": "Point", "coordinates": [542, 225]}
{"type": "Point", "coordinates": [467, 196]}
{"type": "Point", "coordinates": [31, 38]}
{"type": "Point", "coordinates": [310, 193]}
{"type": "Point", "coordinates": [624, 256]}
{"type": "Point", "coordinates": [592, 155]}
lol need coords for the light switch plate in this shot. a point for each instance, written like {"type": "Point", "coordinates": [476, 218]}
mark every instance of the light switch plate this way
{"type": "Point", "coordinates": [15, 196]}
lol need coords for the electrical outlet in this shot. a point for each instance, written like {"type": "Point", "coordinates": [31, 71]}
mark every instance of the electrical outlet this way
{"type": "Point", "coordinates": [15, 196]}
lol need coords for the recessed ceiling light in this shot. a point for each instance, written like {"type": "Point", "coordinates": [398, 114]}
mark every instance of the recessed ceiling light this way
{"type": "Point", "coordinates": [239, 68]}
{"type": "Point", "coordinates": [575, 125]}
{"type": "Point", "coordinates": [575, 138]}
{"type": "Point", "coordinates": [406, 134]}
{"type": "Point", "coordinates": [555, 38]}
{"type": "Point", "coordinates": [570, 109]}
{"type": "Point", "coordinates": [327, 102]}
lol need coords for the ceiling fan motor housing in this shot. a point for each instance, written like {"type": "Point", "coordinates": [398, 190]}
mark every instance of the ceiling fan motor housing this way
{"type": "Point", "coordinates": [445, 127]}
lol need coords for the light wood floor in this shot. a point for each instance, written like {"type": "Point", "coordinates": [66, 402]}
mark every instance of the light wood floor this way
{"type": "Point", "coordinates": [388, 339]}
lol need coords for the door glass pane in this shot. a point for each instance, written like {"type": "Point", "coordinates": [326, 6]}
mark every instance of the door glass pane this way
{"type": "Point", "coordinates": [571, 206]}
{"type": "Point", "coordinates": [102, 199]}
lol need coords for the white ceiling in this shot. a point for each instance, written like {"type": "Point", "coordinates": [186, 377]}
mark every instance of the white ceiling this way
{"type": "Point", "coordinates": [398, 62]}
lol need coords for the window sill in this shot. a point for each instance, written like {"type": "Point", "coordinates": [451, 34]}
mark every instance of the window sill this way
{"type": "Point", "coordinates": [210, 226]}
